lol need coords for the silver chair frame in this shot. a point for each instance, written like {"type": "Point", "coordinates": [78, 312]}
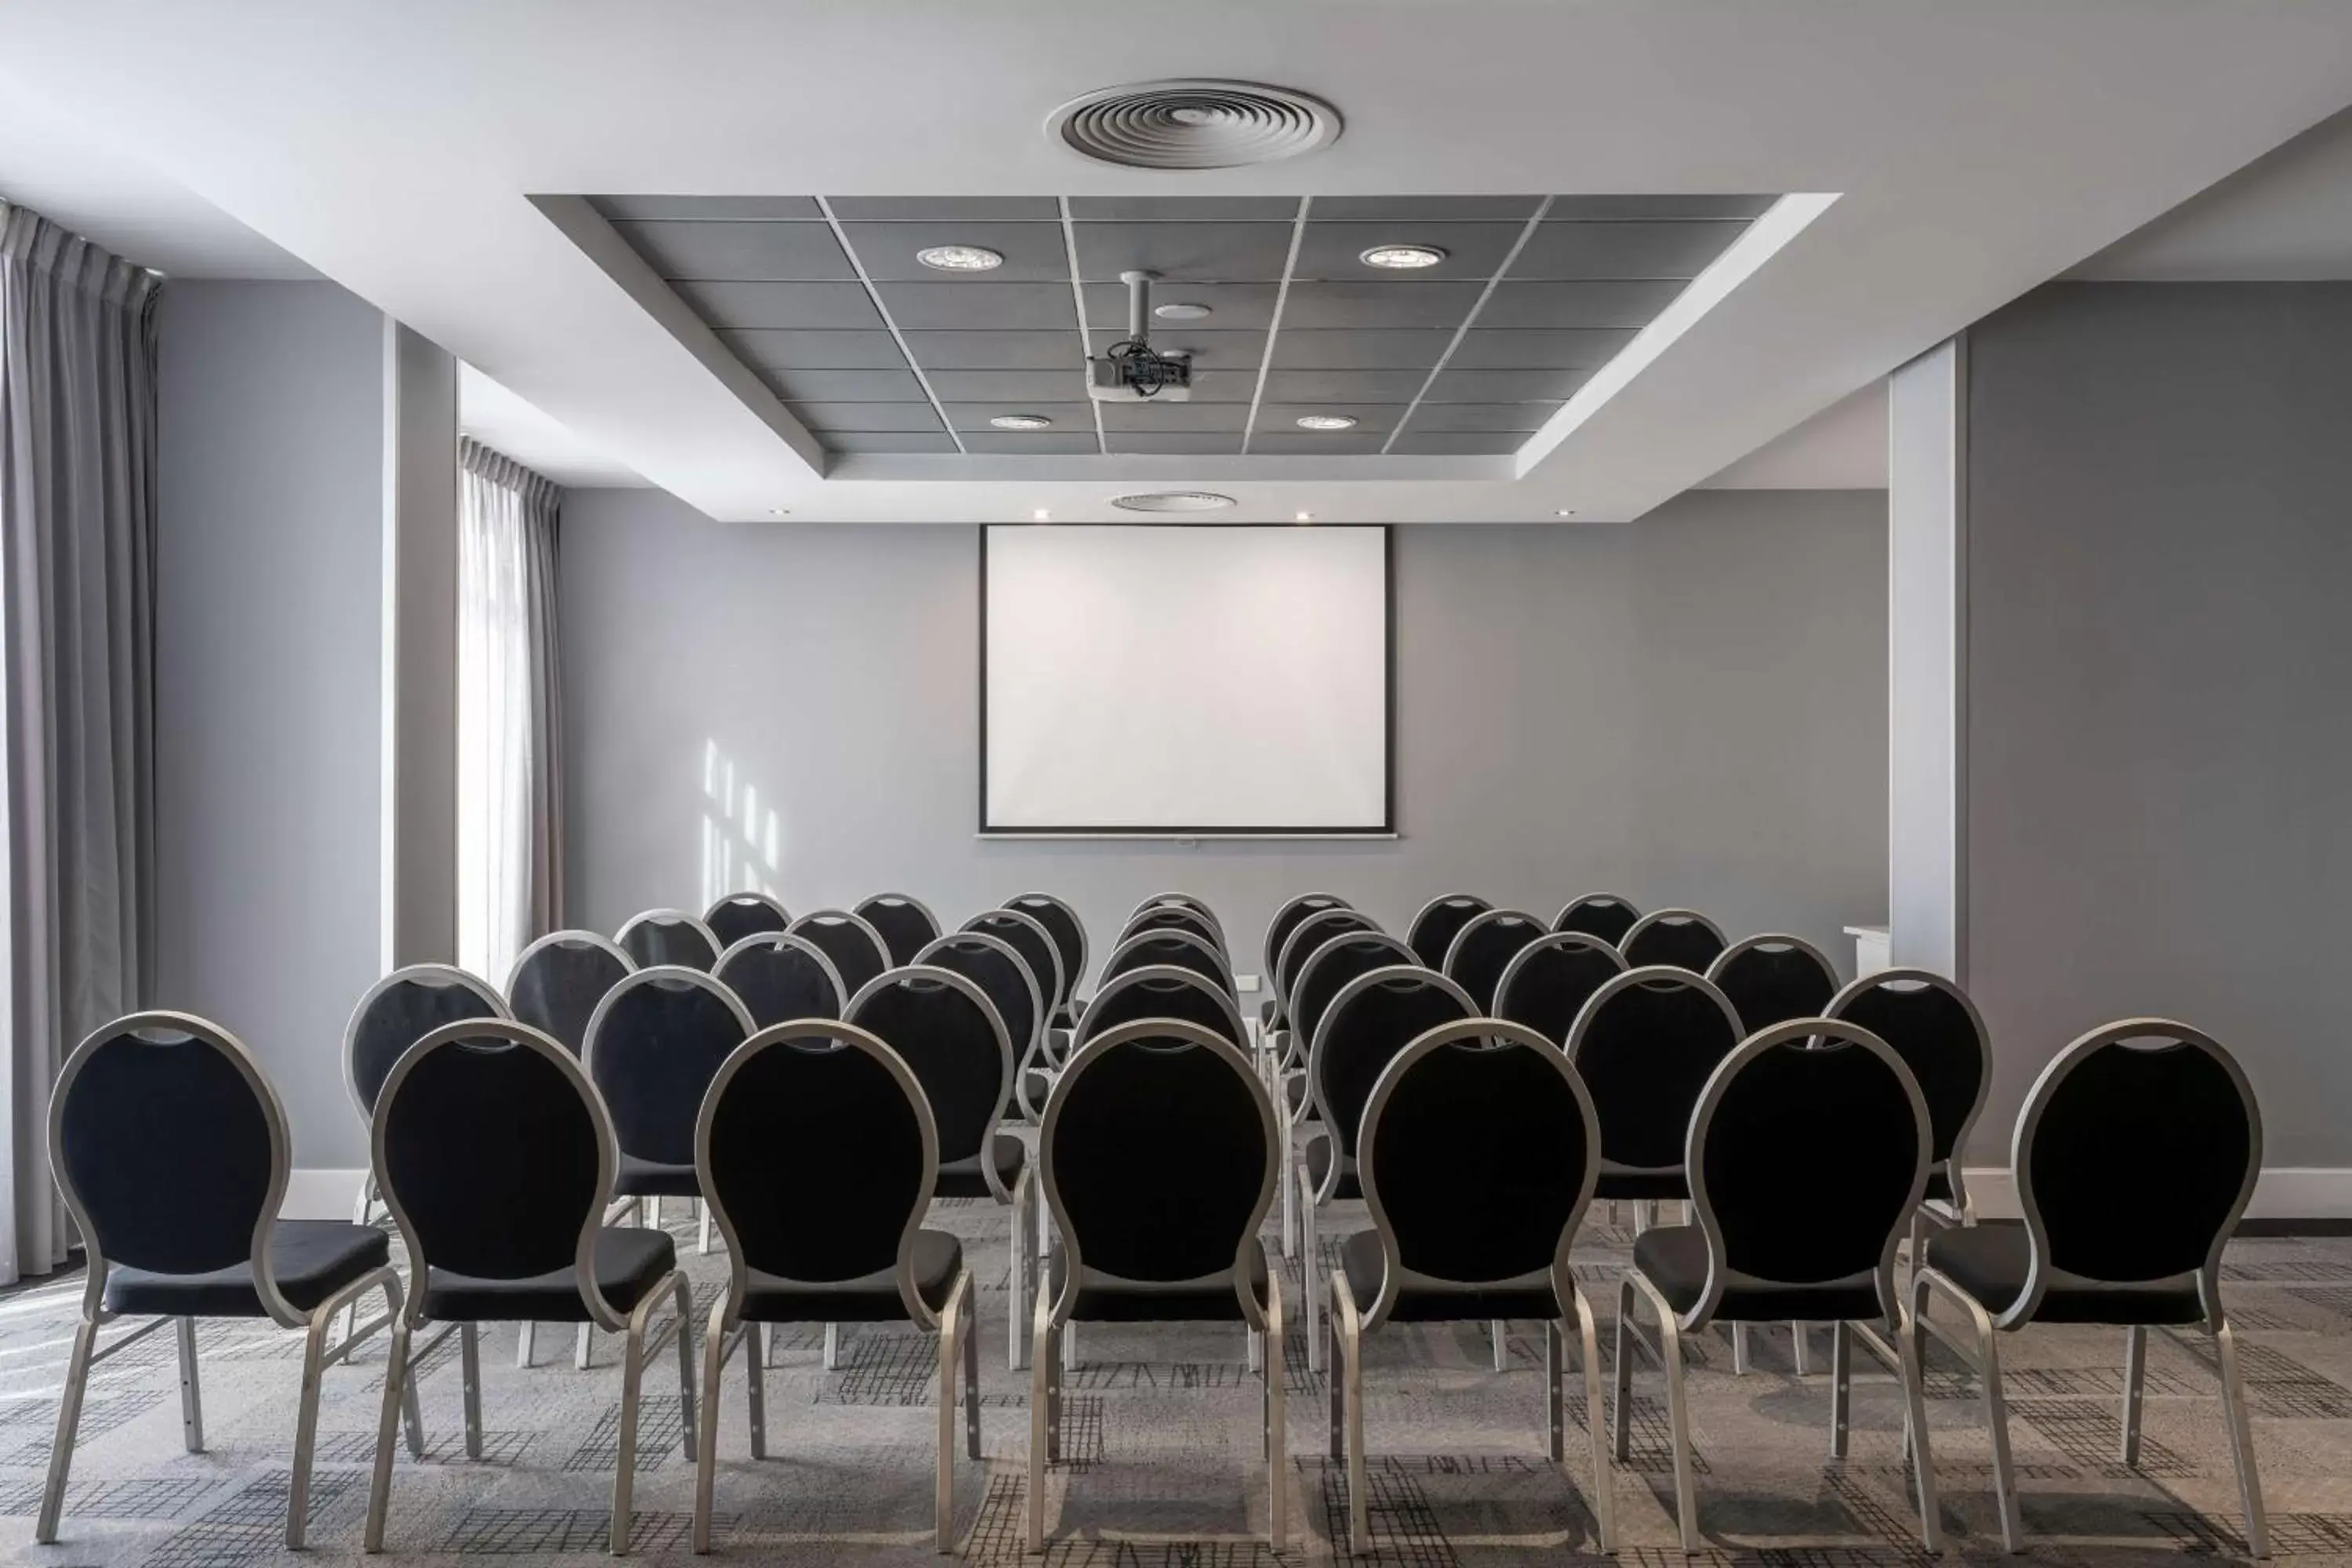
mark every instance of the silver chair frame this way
{"type": "Point", "coordinates": [1581, 900]}
{"type": "Point", "coordinates": [1043, 1057]}
{"type": "Point", "coordinates": [939, 927]}
{"type": "Point", "coordinates": [748, 895]}
{"type": "Point", "coordinates": [1422, 914]}
{"type": "Point", "coordinates": [1183, 900]}
{"type": "Point", "coordinates": [669, 917]}
{"type": "Point", "coordinates": [769, 939]}
{"type": "Point", "coordinates": [1496, 916]}
{"type": "Point", "coordinates": [1077, 975]}
{"type": "Point", "coordinates": [446, 975]}
{"type": "Point", "coordinates": [1550, 942]}
{"type": "Point", "coordinates": [1625, 980]}
{"type": "Point", "coordinates": [1668, 917]}
{"type": "Point", "coordinates": [843, 917]}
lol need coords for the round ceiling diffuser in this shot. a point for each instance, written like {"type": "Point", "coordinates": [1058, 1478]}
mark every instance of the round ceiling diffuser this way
{"type": "Point", "coordinates": [1194, 124]}
{"type": "Point", "coordinates": [1173, 501]}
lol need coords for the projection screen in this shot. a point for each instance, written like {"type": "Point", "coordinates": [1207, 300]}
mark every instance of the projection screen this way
{"type": "Point", "coordinates": [1173, 681]}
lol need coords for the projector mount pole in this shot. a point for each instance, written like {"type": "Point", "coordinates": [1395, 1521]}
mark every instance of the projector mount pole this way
{"type": "Point", "coordinates": [1138, 305]}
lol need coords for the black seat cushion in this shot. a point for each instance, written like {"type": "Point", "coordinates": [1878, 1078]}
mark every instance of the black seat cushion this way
{"type": "Point", "coordinates": [1103, 1298]}
{"type": "Point", "coordinates": [311, 1258]}
{"type": "Point", "coordinates": [1674, 1258]}
{"type": "Point", "coordinates": [964, 1179]}
{"type": "Point", "coordinates": [1319, 1166]}
{"type": "Point", "coordinates": [629, 1264]}
{"type": "Point", "coordinates": [652, 1179]}
{"type": "Point", "coordinates": [1989, 1262]}
{"type": "Point", "coordinates": [870, 1299]}
{"type": "Point", "coordinates": [1626, 1183]}
{"type": "Point", "coordinates": [1361, 1265]}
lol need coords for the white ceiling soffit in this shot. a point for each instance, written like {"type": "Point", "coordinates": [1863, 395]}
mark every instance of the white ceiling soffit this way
{"type": "Point", "coordinates": [2285, 217]}
{"type": "Point", "coordinates": [1843, 448]}
{"type": "Point", "coordinates": [505, 423]}
{"type": "Point", "coordinates": [1977, 149]}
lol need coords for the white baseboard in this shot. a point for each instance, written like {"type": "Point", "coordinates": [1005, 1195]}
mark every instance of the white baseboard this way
{"type": "Point", "coordinates": [2280, 1192]}
{"type": "Point", "coordinates": [319, 1193]}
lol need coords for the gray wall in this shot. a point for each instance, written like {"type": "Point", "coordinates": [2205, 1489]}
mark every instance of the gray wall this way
{"type": "Point", "coordinates": [269, 593]}
{"type": "Point", "coordinates": [1689, 709]}
{"type": "Point", "coordinates": [2159, 566]}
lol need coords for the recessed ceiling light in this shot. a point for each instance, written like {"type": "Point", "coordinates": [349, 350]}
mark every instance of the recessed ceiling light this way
{"type": "Point", "coordinates": [780, 511]}
{"type": "Point", "coordinates": [960, 258]}
{"type": "Point", "coordinates": [1327, 421]}
{"type": "Point", "coordinates": [1305, 517]}
{"type": "Point", "coordinates": [1021, 422]}
{"type": "Point", "coordinates": [1403, 257]}
{"type": "Point", "coordinates": [1040, 515]}
{"type": "Point", "coordinates": [1179, 310]}
{"type": "Point", "coordinates": [1565, 512]}
{"type": "Point", "coordinates": [1173, 501]}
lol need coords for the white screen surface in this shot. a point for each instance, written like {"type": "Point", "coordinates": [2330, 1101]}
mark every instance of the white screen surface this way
{"type": "Point", "coordinates": [1173, 679]}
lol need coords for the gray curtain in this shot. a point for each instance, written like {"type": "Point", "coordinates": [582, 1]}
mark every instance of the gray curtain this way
{"type": "Point", "coordinates": [77, 682]}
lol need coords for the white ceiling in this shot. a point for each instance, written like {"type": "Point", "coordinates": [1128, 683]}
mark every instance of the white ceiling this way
{"type": "Point", "coordinates": [1974, 150]}
{"type": "Point", "coordinates": [498, 419]}
{"type": "Point", "coordinates": [2285, 217]}
{"type": "Point", "coordinates": [1843, 448]}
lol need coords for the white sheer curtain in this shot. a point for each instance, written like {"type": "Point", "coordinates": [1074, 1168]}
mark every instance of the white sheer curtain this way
{"type": "Point", "coordinates": [509, 823]}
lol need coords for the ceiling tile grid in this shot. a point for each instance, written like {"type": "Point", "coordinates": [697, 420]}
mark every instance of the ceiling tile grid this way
{"type": "Point", "coordinates": [829, 302]}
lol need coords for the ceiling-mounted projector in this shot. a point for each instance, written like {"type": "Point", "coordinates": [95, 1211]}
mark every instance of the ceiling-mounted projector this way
{"type": "Point", "coordinates": [1132, 370]}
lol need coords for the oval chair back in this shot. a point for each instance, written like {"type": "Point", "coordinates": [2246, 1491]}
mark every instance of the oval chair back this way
{"type": "Point", "coordinates": [1645, 1046]}
{"type": "Point", "coordinates": [1484, 948]}
{"type": "Point", "coordinates": [1310, 933]}
{"type": "Point", "coordinates": [654, 1046]}
{"type": "Point", "coordinates": [1439, 921]}
{"type": "Point", "coordinates": [401, 1009]}
{"type": "Point", "coordinates": [668, 936]}
{"type": "Point", "coordinates": [1161, 991]}
{"type": "Point", "coordinates": [1286, 919]}
{"type": "Point", "coordinates": [2135, 1155]}
{"type": "Point", "coordinates": [1683, 938]}
{"type": "Point", "coordinates": [1182, 902]}
{"type": "Point", "coordinates": [738, 915]}
{"type": "Point", "coordinates": [904, 922]}
{"type": "Point", "coordinates": [1174, 917]}
{"type": "Point", "coordinates": [1328, 971]}
{"type": "Point", "coordinates": [1772, 979]}
{"type": "Point", "coordinates": [1941, 1038]}
{"type": "Point", "coordinates": [1608, 916]}
{"type": "Point", "coordinates": [170, 1151]}
{"type": "Point", "coordinates": [946, 1030]}
{"type": "Point", "coordinates": [1368, 1025]}
{"type": "Point", "coordinates": [1548, 981]}
{"type": "Point", "coordinates": [557, 980]}
{"type": "Point", "coordinates": [990, 964]}
{"type": "Point", "coordinates": [1027, 936]}
{"type": "Point", "coordinates": [816, 1149]}
{"type": "Point", "coordinates": [780, 977]}
{"type": "Point", "coordinates": [1139, 1104]}
{"type": "Point", "coordinates": [1069, 933]}
{"type": "Point", "coordinates": [1181, 949]}
{"type": "Point", "coordinates": [1479, 1154]}
{"type": "Point", "coordinates": [1807, 1154]}
{"type": "Point", "coordinates": [856, 949]}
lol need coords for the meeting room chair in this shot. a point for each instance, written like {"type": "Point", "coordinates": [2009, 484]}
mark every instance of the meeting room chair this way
{"type": "Point", "coordinates": [1309, 932]}
{"type": "Point", "coordinates": [738, 915]}
{"type": "Point", "coordinates": [856, 949]}
{"type": "Point", "coordinates": [1548, 981]}
{"type": "Point", "coordinates": [1161, 991]}
{"type": "Point", "coordinates": [1029, 938]}
{"type": "Point", "coordinates": [1773, 978]}
{"type": "Point", "coordinates": [1807, 1153]}
{"type": "Point", "coordinates": [1069, 934]}
{"type": "Point", "coordinates": [1683, 938]}
{"type": "Point", "coordinates": [1484, 947]}
{"type": "Point", "coordinates": [1138, 1103]}
{"type": "Point", "coordinates": [903, 922]}
{"type": "Point", "coordinates": [804, 1110]}
{"type": "Point", "coordinates": [2136, 1154]}
{"type": "Point", "coordinates": [393, 1015]}
{"type": "Point", "coordinates": [1608, 916]}
{"type": "Point", "coordinates": [951, 1035]}
{"type": "Point", "coordinates": [171, 1152]}
{"type": "Point", "coordinates": [1184, 901]}
{"type": "Point", "coordinates": [1326, 970]}
{"type": "Point", "coordinates": [780, 977]}
{"type": "Point", "coordinates": [1438, 922]}
{"type": "Point", "coordinates": [1278, 931]}
{"type": "Point", "coordinates": [669, 936]}
{"type": "Point", "coordinates": [992, 964]}
{"type": "Point", "coordinates": [1182, 948]}
{"type": "Point", "coordinates": [1175, 917]}
{"type": "Point", "coordinates": [1479, 1154]}
{"type": "Point", "coordinates": [1644, 1046]}
{"type": "Point", "coordinates": [1941, 1038]}
{"type": "Point", "coordinates": [557, 980]}
{"type": "Point", "coordinates": [496, 1159]}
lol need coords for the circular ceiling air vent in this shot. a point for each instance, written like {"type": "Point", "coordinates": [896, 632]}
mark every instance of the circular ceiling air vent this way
{"type": "Point", "coordinates": [1173, 501]}
{"type": "Point", "coordinates": [1194, 124]}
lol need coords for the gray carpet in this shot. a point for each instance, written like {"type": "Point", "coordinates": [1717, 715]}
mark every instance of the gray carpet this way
{"type": "Point", "coordinates": [1160, 1447]}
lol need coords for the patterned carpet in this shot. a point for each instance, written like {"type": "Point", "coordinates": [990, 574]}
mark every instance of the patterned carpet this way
{"type": "Point", "coordinates": [1160, 1449]}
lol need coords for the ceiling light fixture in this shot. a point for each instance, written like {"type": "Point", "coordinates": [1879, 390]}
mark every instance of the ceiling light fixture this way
{"type": "Point", "coordinates": [1327, 422]}
{"type": "Point", "coordinates": [1173, 501]}
{"type": "Point", "coordinates": [960, 258]}
{"type": "Point", "coordinates": [1305, 517]}
{"type": "Point", "coordinates": [1200, 123]}
{"type": "Point", "coordinates": [1565, 512]}
{"type": "Point", "coordinates": [1041, 515]}
{"type": "Point", "coordinates": [1179, 310]}
{"type": "Point", "coordinates": [1403, 257]}
{"type": "Point", "coordinates": [780, 511]}
{"type": "Point", "coordinates": [1021, 422]}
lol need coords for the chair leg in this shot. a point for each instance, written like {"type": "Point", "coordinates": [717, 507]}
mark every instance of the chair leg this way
{"type": "Point", "coordinates": [705, 1457]}
{"type": "Point", "coordinates": [306, 1426]}
{"type": "Point", "coordinates": [832, 1347]}
{"type": "Point", "coordinates": [2004, 1478]}
{"type": "Point", "coordinates": [2241, 1445]}
{"type": "Point", "coordinates": [1908, 1339]}
{"type": "Point", "coordinates": [580, 1348]}
{"type": "Point", "coordinates": [1500, 1335]}
{"type": "Point", "coordinates": [1252, 1349]}
{"type": "Point", "coordinates": [1289, 1187]}
{"type": "Point", "coordinates": [1347, 1376]}
{"type": "Point", "coordinates": [525, 1333]}
{"type": "Point", "coordinates": [1555, 1382]}
{"type": "Point", "coordinates": [1841, 1383]}
{"type": "Point", "coordinates": [469, 1361]}
{"type": "Point", "coordinates": [702, 1241]}
{"type": "Point", "coordinates": [1024, 1197]}
{"type": "Point", "coordinates": [61, 1448]}
{"type": "Point", "coordinates": [1623, 1414]}
{"type": "Point", "coordinates": [1069, 1339]}
{"type": "Point", "coordinates": [1277, 1425]}
{"type": "Point", "coordinates": [1308, 1249]}
{"type": "Point", "coordinates": [1800, 1350]}
{"type": "Point", "coordinates": [952, 1325]}
{"type": "Point", "coordinates": [971, 1387]}
{"type": "Point", "coordinates": [1336, 1390]}
{"type": "Point", "coordinates": [1740, 1349]}
{"type": "Point", "coordinates": [682, 1294]}
{"type": "Point", "coordinates": [1041, 1366]}
{"type": "Point", "coordinates": [1670, 1349]}
{"type": "Point", "coordinates": [191, 1398]}
{"type": "Point", "coordinates": [2135, 1380]}
{"type": "Point", "coordinates": [755, 1368]}
{"type": "Point", "coordinates": [397, 1377]}
{"type": "Point", "coordinates": [1604, 1482]}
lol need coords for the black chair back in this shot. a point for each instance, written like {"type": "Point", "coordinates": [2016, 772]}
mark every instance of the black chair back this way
{"type": "Point", "coordinates": [1484, 948]}
{"type": "Point", "coordinates": [1069, 934]}
{"type": "Point", "coordinates": [493, 1153]}
{"type": "Point", "coordinates": [738, 915]}
{"type": "Point", "coordinates": [1645, 1047]}
{"type": "Point", "coordinates": [654, 1046]}
{"type": "Point", "coordinates": [1309, 934]}
{"type": "Point", "coordinates": [1175, 917]}
{"type": "Point", "coordinates": [1439, 921]}
{"type": "Point", "coordinates": [1807, 1154]}
{"type": "Point", "coordinates": [780, 977]}
{"type": "Point", "coordinates": [1182, 950]}
{"type": "Point", "coordinates": [1548, 981]}
{"type": "Point", "coordinates": [1683, 938]}
{"type": "Point", "coordinates": [990, 964]}
{"type": "Point", "coordinates": [557, 980]}
{"type": "Point", "coordinates": [1940, 1037]}
{"type": "Point", "coordinates": [1028, 937]}
{"type": "Point", "coordinates": [668, 936]}
{"type": "Point", "coordinates": [2137, 1152]}
{"type": "Point", "coordinates": [1183, 902]}
{"type": "Point", "coordinates": [856, 949]}
{"type": "Point", "coordinates": [1368, 1025]}
{"type": "Point", "coordinates": [904, 923]}
{"type": "Point", "coordinates": [1479, 1154]}
{"type": "Point", "coordinates": [169, 1147]}
{"type": "Point", "coordinates": [947, 1031]}
{"type": "Point", "coordinates": [1286, 919]}
{"type": "Point", "coordinates": [1161, 991]}
{"type": "Point", "coordinates": [1608, 916]}
{"type": "Point", "coordinates": [1772, 979]}
{"type": "Point", "coordinates": [1327, 973]}
{"type": "Point", "coordinates": [401, 1009]}
{"type": "Point", "coordinates": [1138, 1106]}
{"type": "Point", "coordinates": [816, 1150]}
